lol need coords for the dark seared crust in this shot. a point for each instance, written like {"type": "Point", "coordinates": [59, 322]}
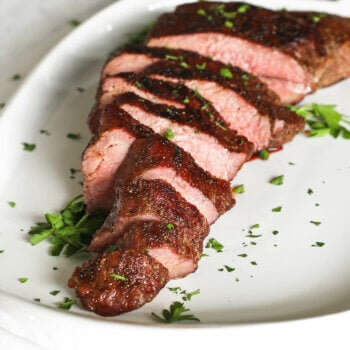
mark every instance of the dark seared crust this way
{"type": "Point", "coordinates": [156, 199]}
{"type": "Point", "coordinates": [273, 111]}
{"type": "Point", "coordinates": [296, 34]}
{"type": "Point", "coordinates": [184, 242]}
{"type": "Point", "coordinates": [208, 69]}
{"type": "Point", "coordinates": [154, 152]}
{"type": "Point", "coordinates": [174, 92]}
{"type": "Point", "coordinates": [107, 296]}
{"type": "Point", "coordinates": [197, 119]}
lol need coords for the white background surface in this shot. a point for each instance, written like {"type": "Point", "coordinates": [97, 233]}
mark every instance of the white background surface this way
{"type": "Point", "coordinates": [29, 28]}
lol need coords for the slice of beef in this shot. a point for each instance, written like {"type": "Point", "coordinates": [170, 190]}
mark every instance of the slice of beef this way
{"type": "Point", "coordinates": [216, 149]}
{"type": "Point", "coordinates": [148, 200]}
{"type": "Point", "coordinates": [158, 158]}
{"type": "Point", "coordinates": [118, 282]}
{"type": "Point", "coordinates": [176, 248]}
{"type": "Point", "coordinates": [104, 154]}
{"type": "Point", "coordinates": [293, 52]}
{"type": "Point", "coordinates": [257, 118]}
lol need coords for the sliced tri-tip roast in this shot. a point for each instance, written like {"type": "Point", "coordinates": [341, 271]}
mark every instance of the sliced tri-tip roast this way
{"type": "Point", "coordinates": [238, 98]}
{"type": "Point", "coordinates": [293, 52]}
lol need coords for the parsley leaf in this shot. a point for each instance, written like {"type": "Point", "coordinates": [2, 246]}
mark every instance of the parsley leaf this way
{"type": "Point", "coordinates": [118, 277]}
{"type": "Point", "coordinates": [318, 244]}
{"type": "Point", "coordinates": [70, 230]}
{"type": "Point", "coordinates": [323, 120]}
{"type": "Point", "coordinates": [12, 204]}
{"type": "Point", "coordinates": [73, 136]}
{"type": "Point", "coordinates": [66, 304]}
{"type": "Point", "coordinates": [29, 147]}
{"type": "Point", "coordinates": [23, 279]}
{"type": "Point", "coordinates": [214, 244]}
{"type": "Point", "coordinates": [277, 209]}
{"type": "Point", "coordinates": [278, 181]}
{"type": "Point", "coordinates": [238, 189]}
{"type": "Point", "coordinates": [264, 154]}
{"type": "Point", "coordinates": [175, 314]}
{"type": "Point", "coordinates": [169, 134]}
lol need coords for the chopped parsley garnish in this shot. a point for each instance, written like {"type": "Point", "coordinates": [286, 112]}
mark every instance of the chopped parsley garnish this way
{"type": "Point", "coordinates": [175, 290]}
{"type": "Point", "coordinates": [254, 226]}
{"type": "Point", "coordinates": [16, 77]}
{"type": "Point", "coordinates": [173, 58]}
{"type": "Point", "coordinates": [74, 22]}
{"type": "Point", "coordinates": [170, 226]}
{"type": "Point", "coordinates": [228, 24]}
{"type": "Point", "coordinates": [222, 127]}
{"type": "Point", "coordinates": [253, 236]}
{"type": "Point", "coordinates": [264, 154]}
{"type": "Point", "coordinates": [220, 10]}
{"type": "Point", "coordinates": [37, 300]}
{"type": "Point", "coordinates": [229, 268]}
{"type": "Point", "coordinates": [275, 232]}
{"type": "Point", "coordinates": [29, 147]}
{"type": "Point", "coordinates": [203, 255]}
{"type": "Point", "coordinates": [238, 189]}
{"type": "Point", "coordinates": [186, 100]}
{"type": "Point", "coordinates": [118, 277]}
{"type": "Point", "coordinates": [243, 255]}
{"type": "Point", "coordinates": [323, 120]}
{"type": "Point", "coordinates": [175, 314]}
{"type": "Point", "coordinates": [73, 136]}
{"type": "Point", "coordinates": [226, 73]}
{"type": "Point", "coordinates": [278, 181]}
{"type": "Point", "coordinates": [310, 191]}
{"type": "Point", "coordinates": [201, 12]}
{"type": "Point", "coordinates": [54, 292]}
{"type": "Point", "coordinates": [243, 8]}
{"type": "Point", "coordinates": [254, 263]}
{"type": "Point", "coordinates": [184, 65]}
{"type": "Point", "coordinates": [66, 304]}
{"type": "Point", "coordinates": [111, 248]}
{"type": "Point", "coordinates": [1, 251]}
{"type": "Point", "coordinates": [138, 84]}
{"type": "Point", "coordinates": [12, 204]}
{"type": "Point", "coordinates": [188, 296]}
{"type": "Point", "coordinates": [316, 223]}
{"type": "Point", "coordinates": [169, 134]}
{"type": "Point", "coordinates": [70, 230]}
{"type": "Point", "coordinates": [318, 244]}
{"type": "Point", "coordinates": [2, 105]}
{"type": "Point", "coordinates": [318, 17]}
{"type": "Point", "coordinates": [44, 132]}
{"type": "Point", "coordinates": [80, 89]}
{"type": "Point", "coordinates": [277, 209]}
{"type": "Point", "coordinates": [201, 66]}
{"type": "Point", "coordinates": [23, 279]}
{"type": "Point", "coordinates": [214, 244]}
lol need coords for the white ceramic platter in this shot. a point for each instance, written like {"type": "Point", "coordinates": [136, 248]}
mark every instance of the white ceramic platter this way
{"type": "Point", "coordinates": [289, 277]}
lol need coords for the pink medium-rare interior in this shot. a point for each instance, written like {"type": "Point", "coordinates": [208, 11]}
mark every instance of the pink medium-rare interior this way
{"type": "Point", "coordinates": [100, 162]}
{"type": "Point", "coordinates": [264, 62]}
{"type": "Point", "coordinates": [127, 62]}
{"type": "Point", "coordinates": [189, 193]}
{"type": "Point", "coordinates": [205, 149]}
{"type": "Point", "coordinates": [176, 266]}
{"type": "Point", "coordinates": [114, 86]}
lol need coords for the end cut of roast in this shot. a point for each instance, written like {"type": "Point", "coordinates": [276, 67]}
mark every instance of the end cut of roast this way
{"type": "Point", "coordinates": [293, 52]}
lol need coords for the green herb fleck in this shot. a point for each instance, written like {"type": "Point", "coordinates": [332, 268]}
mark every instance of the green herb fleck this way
{"type": "Point", "coordinates": [70, 230]}
{"type": "Point", "coordinates": [201, 66]}
{"type": "Point", "coordinates": [254, 226]}
{"type": "Point", "coordinates": [214, 244]}
{"type": "Point", "coordinates": [238, 189]}
{"type": "Point", "coordinates": [229, 268]}
{"type": "Point", "coordinates": [80, 89]}
{"type": "Point", "coordinates": [168, 133]}
{"type": "Point", "coordinates": [186, 100]}
{"type": "Point", "coordinates": [203, 255]}
{"type": "Point", "coordinates": [74, 22]}
{"type": "Point", "coordinates": [310, 191]}
{"type": "Point", "coordinates": [37, 300]}
{"type": "Point", "coordinates": [2, 105]}
{"type": "Point", "coordinates": [16, 77]}
{"type": "Point", "coordinates": [228, 24]}
{"type": "Point", "coordinates": [118, 277]}
{"type": "Point", "coordinates": [275, 232]}
{"type": "Point", "coordinates": [44, 132]}
{"type": "Point", "coordinates": [243, 8]}
{"type": "Point", "coordinates": [253, 236]}
{"type": "Point", "coordinates": [316, 223]}
{"type": "Point", "coordinates": [1, 251]}
{"type": "Point", "coordinates": [188, 296]}
{"type": "Point", "coordinates": [318, 17]}
{"type": "Point", "coordinates": [201, 12]}
{"type": "Point", "coordinates": [73, 136]}
{"type": "Point", "coordinates": [29, 147]}
{"type": "Point", "coordinates": [23, 279]}
{"type": "Point", "coordinates": [222, 127]}
{"type": "Point", "coordinates": [277, 209]}
{"type": "Point", "coordinates": [278, 181]}
{"type": "Point", "coordinates": [254, 263]}
{"type": "Point", "coordinates": [318, 244]}
{"type": "Point", "coordinates": [175, 290]}
{"type": "Point", "coordinates": [54, 292]}
{"type": "Point", "coordinates": [226, 73]}
{"type": "Point", "coordinates": [264, 154]}
{"type": "Point", "coordinates": [184, 65]}
{"type": "Point", "coordinates": [243, 255]}
{"type": "Point", "coordinates": [317, 204]}
{"type": "Point", "coordinates": [111, 248]}
{"type": "Point", "coordinates": [175, 314]}
{"type": "Point", "coordinates": [138, 84]}
{"type": "Point", "coordinates": [253, 243]}
{"type": "Point", "coordinates": [12, 204]}
{"type": "Point", "coordinates": [170, 226]}
{"type": "Point", "coordinates": [66, 304]}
